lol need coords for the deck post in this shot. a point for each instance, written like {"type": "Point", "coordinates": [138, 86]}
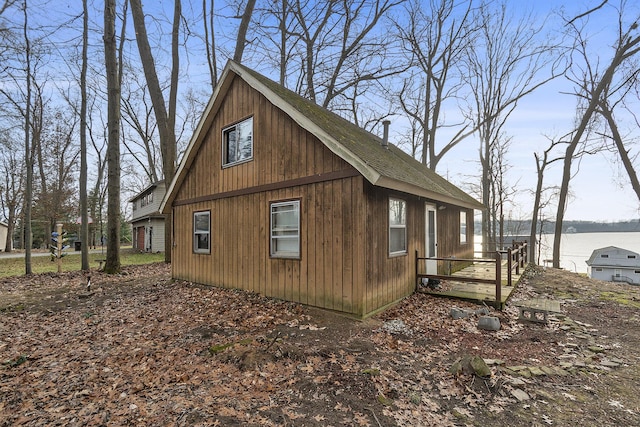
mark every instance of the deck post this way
{"type": "Point", "coordinates": [498, 281]}
{"type": "Point", "coordinates": [510, 266]}
{"type": "Point", "coordinates": [417, 277]}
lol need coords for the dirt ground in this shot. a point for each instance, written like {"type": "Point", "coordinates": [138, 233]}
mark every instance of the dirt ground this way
{"type": "Point", "coordinates": [141, 349]}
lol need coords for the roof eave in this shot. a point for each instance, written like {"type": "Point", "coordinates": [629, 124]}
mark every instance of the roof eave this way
{"type": "Point", "coordinates": [369, 173]}
{"type": "Point", "coordinates": [196, 139]}
{"type": "Point", "coordinates": [405, 187]}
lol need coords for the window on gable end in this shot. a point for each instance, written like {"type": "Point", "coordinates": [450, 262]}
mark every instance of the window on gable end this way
{"type": "Point", "coordinates": [237, 143]}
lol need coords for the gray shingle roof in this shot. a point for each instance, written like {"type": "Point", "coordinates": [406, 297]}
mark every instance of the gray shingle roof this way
{"type": "Point", "coordinates": [384, 167]}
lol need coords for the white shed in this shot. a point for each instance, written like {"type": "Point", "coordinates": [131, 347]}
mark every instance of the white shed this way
{"type": "Point", "coordinates": [614, 264]}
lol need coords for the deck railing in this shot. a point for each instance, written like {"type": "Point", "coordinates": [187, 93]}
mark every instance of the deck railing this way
{"type": "Point", "coordinates": [515, 258]}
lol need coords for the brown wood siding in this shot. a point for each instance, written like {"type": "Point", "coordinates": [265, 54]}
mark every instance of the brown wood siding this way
{"type": "Point", "coordinates": [448, 229]}
{"type": "Point", "coordinates": [282, 150]}
{"type": "Point", "coordinates": [330, 270]}
{"type": "Point", "coordinates": [390, 277]}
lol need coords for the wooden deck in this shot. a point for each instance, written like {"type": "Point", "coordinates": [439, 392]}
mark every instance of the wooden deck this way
{"type": "Point", "coordinates": [477, 292]}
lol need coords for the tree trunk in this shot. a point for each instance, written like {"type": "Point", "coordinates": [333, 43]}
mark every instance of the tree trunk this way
{"type": "Point", "coordinates": [624, 155]}
{"type": "Point", "coordinates": [84, 216]}
{"type": "Point", "coordinates": [241, 40]}
{"type": "Point", "coordinates": [28, 197]}
{"type": "Point", "coordinates": [112, 264]}
{"type": "Point", "coordinates": [623, 52]}
{"type": "Point", "coordinates": [165, 121]}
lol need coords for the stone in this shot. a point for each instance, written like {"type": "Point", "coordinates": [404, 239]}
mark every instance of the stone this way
{"type": "Point", "coordinates": [535, 371]}
{"type": "Point", "coordinates": [516, 381]}
{"type": "Point", "coordinates": [525, 373]}
{"type": "Point", "coordinates": [480, 368]}
{"type": "Point", "coordinates": [484, 311]}
{"type": "Point", "coordinates": [489, 323]}
{"type": "Point", "coordinates": [459, 313]}
{"type": "Point", "coordinates": [609, 364]}
{"type": "Point", "coordinates": [456, 368]}
{"type": "Point", "coordinates": [520, 395]}
{"type": "Point", "coordinates": [547, 370]}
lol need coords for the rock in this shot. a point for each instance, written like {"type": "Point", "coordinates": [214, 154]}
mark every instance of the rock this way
{"type": "Point", "coordinates": [516, 381]}
{"type": "Point", "coordinates": [456, 368]}
{"type": "Point", "coordinates": [459, 313]}
{"type": "Point", "coordinates": [480, 368]}
{"type": "Point", "coordinates": [535, 371]}
{"type": "Point", "coordinates": [484, 311]}
{"type": "Point", "coordinates": [547, 370]}
{"type": "Point", "coordinates": [489, 323]}
{"type": "Point", "coordinates": [596, 349]}
{"type": "Point", "coordinates": [396, 326]}
{"type": "Point", "coordinates": [609, 364]}
{"type": "Point", "coordinates": [521, 395]}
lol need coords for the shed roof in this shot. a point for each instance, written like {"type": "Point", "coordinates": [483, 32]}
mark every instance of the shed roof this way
{"type": "Point", "coordinates": [384, 167]}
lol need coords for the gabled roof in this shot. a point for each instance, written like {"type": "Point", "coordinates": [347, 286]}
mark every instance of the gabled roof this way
{"type": "Point", "coordinates": [146, 190]}
{"type": "Point", "coordinates": [384, 167]}
{"type": "Point", "coordinates": [617, 257]}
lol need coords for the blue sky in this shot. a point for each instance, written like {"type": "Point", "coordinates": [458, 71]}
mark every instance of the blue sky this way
{"type": "Point", "coordinates": [600, 189]}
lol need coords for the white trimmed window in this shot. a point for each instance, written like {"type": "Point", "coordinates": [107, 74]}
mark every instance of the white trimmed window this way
{"type": "Point", "coordinates": [397, 226]}
{"type": "Point", "coordinates": [202, 232]}
{"type": "Point", "coordinates": [463, 227]}
{"type": "Point", "coordinates": [285, 229]}
{"type": "Point", "coordinates": [237, 143]}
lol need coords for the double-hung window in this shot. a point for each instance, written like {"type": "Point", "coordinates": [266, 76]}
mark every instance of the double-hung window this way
{"type": "Point", "coordinates": [202, 232]}
{"type": "Point", "coordinates": [285, 229]}
{"type": "Point", "coordinates": [397, 226]}
{"type": "Point", "coordinates": [237, 143]}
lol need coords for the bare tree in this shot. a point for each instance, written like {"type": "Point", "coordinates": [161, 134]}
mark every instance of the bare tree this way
{"type": "Point", "coordinates": [84, 215]}
{"type": "Point", "coordinates": [210, 41]}
{"type": "Point", "coordinates": [12, 171]}
{"type": "Point", "coordinates": [592, 87]}
{"type": "Point", "coordinates": [241, 40]}
{"type": "Point", "coordinates": [28, 154]}
{"type": "Point", "coordinates": [112, 264]}
{"type": "Point", "coordinates": [165, 118]}
{"type": "Point", "coordinates": [506, 62]}
{"type": "Point", "coordinates": [435, 40]}
{"type": "Point", "coordinates": [138, 115]}
{"type": "Point", "coordinates": [539, 203]}
{"type": "Point", "coordinates": [339, 53]}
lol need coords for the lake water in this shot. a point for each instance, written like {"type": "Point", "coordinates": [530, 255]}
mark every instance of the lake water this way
{"type": "Point", "coordinates": [576, 248]}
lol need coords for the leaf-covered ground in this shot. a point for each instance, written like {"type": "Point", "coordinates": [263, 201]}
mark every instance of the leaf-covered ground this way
{"type": "Point", "coordinates": [141, 349]}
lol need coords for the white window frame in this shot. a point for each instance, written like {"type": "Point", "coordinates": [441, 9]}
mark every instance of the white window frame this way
{"type": "Point", "coordinates": [463, 227]}
{"type": "Point", "coordinates": [225, 143]}
{"type": "Point", "coordinates": [197, 232]}
{"type": "Point", "coordinates": [394, 227]}
{"type": "Point", "coordinates": [277, 235]}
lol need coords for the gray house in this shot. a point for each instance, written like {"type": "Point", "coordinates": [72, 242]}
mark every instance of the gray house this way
{"type": "Point", "coordinates": [147, 222]}
{"type": "Point", "coordinates": [614, 264]}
